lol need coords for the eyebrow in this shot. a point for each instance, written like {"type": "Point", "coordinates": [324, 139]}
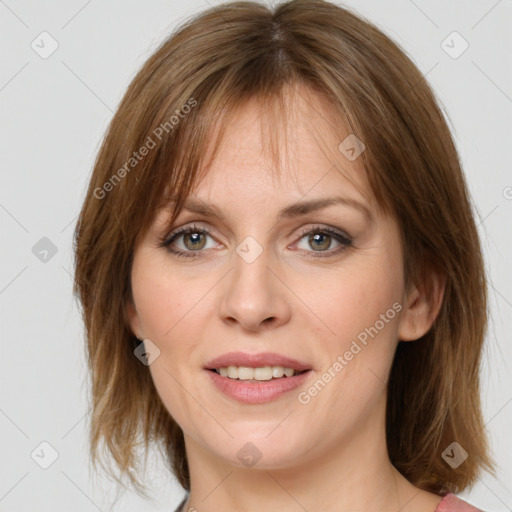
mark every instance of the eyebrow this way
{"type": "Point", "coordinates": [293, 210]}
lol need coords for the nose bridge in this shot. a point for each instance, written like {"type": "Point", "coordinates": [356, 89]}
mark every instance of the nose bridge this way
{"type": "Point", "coordinates": [253, 295]}
{"type": "Point", "coordinates": [251, 265]}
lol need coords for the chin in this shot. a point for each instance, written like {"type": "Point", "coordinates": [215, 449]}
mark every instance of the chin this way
{"type": "Point", "coordinates": [249, 448]}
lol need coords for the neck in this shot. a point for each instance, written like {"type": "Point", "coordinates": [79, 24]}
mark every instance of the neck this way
{"type": "Point", "coordinates": [352, 474]}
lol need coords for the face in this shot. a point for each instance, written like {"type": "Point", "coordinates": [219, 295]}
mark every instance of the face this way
{"type": "Point", "coordinates": [323, 288]}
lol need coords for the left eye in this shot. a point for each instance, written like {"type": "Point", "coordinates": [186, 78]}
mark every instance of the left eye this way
{"type": "Point", "coordinates": [194, 241]}
{"type": "Point", "coordinates": [320, 240]}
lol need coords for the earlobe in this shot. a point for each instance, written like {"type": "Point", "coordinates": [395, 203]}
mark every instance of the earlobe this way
{"type": "Point", "coordinates": [421, 308]}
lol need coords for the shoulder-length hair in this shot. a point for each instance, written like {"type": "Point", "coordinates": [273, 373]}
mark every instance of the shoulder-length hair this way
{"type": "Point", "coordinates": [157, 142]}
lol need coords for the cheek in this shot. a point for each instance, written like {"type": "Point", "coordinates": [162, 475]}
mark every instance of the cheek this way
{"type": "Point", "coordinates": [354, 300]}
{"type": "Point", "coordinates": [361, 309]}
{"type": "Point", "coordinates": [358, 348]}
{"type": "Point", "coordinates": [170, 306]}
{"type": "Point", "coordinates": [166, 300]}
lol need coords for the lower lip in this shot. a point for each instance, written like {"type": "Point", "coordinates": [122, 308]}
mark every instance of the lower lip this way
{"type": "Point", "coordinates": [257, 392]}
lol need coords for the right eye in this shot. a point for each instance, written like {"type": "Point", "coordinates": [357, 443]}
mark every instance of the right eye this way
{"type": "Point", "coordinates": [192, 239]}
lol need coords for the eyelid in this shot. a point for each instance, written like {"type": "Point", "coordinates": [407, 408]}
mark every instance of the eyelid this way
{"type": "Point", "coordinates": [324, 228]}
{"type": "Point", "coordinates": [173, 232]}
{"type": "Point", "coordinates": [344, 239]}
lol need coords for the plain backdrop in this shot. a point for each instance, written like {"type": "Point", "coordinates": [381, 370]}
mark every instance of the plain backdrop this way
{"type": "Point", "coordinates": [54, 112]}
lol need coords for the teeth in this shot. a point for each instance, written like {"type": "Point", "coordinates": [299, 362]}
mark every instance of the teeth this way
{"type": "Point", "coordinates": [288, 372]}
{"type": "Point", "coordinates": [260, 373]}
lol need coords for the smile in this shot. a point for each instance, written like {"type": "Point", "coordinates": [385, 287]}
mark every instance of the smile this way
{"type": "Point", "coordinates": [253, 390]}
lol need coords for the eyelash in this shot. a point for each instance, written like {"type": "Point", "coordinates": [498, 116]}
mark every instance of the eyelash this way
{"type": "Point", "coordinates": [340, 237]}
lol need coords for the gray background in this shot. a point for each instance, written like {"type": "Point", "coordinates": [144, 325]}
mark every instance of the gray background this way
{"type": "Point", "coordinates": [54, 112]}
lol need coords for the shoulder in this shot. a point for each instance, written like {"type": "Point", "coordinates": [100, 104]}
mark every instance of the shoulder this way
{"type": "Point", "coordinates": [451, 503]}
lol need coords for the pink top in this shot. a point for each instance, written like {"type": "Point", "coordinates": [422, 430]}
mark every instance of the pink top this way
{"type": "Point", "coordinates": [451, 503]}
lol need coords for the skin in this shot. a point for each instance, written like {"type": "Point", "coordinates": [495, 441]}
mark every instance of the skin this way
{"type": "Point", "coordinates": [329, 454]}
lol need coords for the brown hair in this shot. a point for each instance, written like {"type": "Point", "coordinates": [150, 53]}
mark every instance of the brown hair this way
{"type": "Point", "coordinates": [195, 80]}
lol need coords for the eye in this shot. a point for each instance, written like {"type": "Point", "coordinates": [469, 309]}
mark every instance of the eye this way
{"type": "Point", "coordinates": [321, 238]}
{"type": "Point", "coordinates": [189, 241]}
{"type": "Point", "coordinates": [192, 239]}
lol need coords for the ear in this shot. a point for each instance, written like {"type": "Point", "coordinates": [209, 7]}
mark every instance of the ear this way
{"type": "Point", "coordinates": [133, 318]}
{"type": "Point", "coordinates": [422, 305]}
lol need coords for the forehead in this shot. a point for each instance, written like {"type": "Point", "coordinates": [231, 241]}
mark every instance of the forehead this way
{"type": "Point", "coordinates": [266, 151]}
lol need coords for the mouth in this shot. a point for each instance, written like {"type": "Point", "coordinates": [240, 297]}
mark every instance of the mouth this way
{"type": "Point", "coordinates": [257, 378]}
{"type": "Point", "coordinates": [264, 365]}
{"type": "Point", "coordinates": [256, 374]}
{"type": "Point", "coordinates": [253, 391]}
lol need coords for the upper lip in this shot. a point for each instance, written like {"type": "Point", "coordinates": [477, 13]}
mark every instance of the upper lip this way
{"type": "Point", "coordinates": [255, 361]}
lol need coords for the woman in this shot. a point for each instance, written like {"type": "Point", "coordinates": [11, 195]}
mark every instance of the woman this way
{"type": "Point", "coordinates": [280, 273]}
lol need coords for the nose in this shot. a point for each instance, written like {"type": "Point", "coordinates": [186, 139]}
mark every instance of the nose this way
{"type": "Point", "coordinates": [254, 296]}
